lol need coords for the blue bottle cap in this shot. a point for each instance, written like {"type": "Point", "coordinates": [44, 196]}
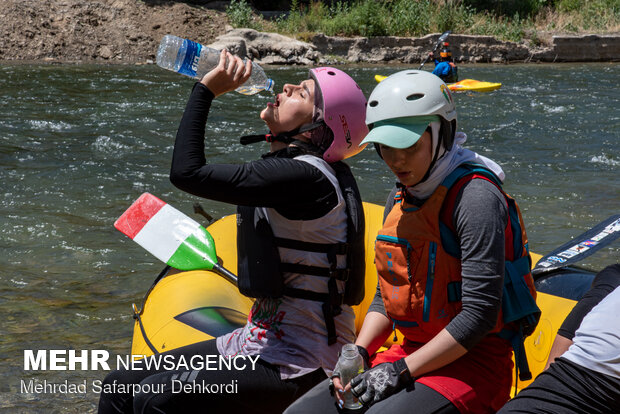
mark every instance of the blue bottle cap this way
{"type": "Point", "coordinates": [269, 85]}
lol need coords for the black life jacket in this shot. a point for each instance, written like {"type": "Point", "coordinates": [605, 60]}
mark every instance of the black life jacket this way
{"type": "Point", "coordinates": [261, 270]}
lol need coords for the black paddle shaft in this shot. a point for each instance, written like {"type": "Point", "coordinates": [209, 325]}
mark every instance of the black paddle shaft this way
{"type": "Point", "coordinates": [225, 273]}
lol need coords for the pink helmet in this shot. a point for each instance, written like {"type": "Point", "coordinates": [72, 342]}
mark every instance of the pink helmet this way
{"type": "Point", "coordinates": [344, 112]}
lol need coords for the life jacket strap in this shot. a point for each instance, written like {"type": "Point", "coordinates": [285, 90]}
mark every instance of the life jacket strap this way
{"type": "Point", "coordinates": [332, 302]}
{"type": "Point", "coordinates": [338, 274]}
{"type": "Point", "coordinates": [286, 137]}
{"type": "Point", "coordinates": [516, 340]}
{"type": "Point", "coordinates": [335, 248]}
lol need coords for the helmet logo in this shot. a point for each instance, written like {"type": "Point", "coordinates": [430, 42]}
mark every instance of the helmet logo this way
{"type": "Point", "coordinates": [446, 93]}
{"type": "Point", "coordinates": [345, 129]}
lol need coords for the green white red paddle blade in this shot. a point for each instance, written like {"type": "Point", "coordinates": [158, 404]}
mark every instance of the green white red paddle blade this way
{"type": "Point", "coordinates": [168, 234]}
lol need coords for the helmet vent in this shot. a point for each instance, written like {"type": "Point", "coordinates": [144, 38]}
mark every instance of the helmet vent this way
{"type": "Point", "coordinates": [373, 103]}
{"type": "Point", "coordinates": [331, 73]}
{"type": "Point", "coordinates": [415, 96]}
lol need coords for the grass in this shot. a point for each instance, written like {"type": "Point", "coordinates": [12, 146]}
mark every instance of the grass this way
{"type": "Point", "coordinates": [420, 17]}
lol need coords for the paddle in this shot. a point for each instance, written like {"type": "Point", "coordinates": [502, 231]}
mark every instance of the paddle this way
{"type": "Point", "coordinates": [441, 39]}
{"type": "Point", "coordinates": [580, 247]}
{"type": "Point", "coordinates": [171, 236]}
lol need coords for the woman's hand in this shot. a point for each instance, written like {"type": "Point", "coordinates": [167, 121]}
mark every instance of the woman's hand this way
{"type": "Point", "coordinates": [381, 382]}
{"type": "Point", "coordinates": [222, 78]}
{"type": "Point", "coordinates": [338, 390]}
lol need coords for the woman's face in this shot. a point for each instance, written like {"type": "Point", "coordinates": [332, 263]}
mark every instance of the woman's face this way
{"type": "Point", "coordinates": [291, 109]}
{"type": "Point", "coordinates": [409, 164]}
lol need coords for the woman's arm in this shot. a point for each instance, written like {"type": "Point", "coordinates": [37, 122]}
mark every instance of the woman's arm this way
{"type": "Point", "coordinates": [436, 353]}
{"type": "Point", "coordinates": [480, 218]}
{"type": "Point", "coordinates": [295, 188]}
{"type": "Point", "coordinates": [375, 331]}
{"type": "Point", "coordinates": [605, 282]}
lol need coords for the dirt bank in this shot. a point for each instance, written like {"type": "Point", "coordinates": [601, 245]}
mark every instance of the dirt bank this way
{"type": "Point", "coordinates": [126, 31]}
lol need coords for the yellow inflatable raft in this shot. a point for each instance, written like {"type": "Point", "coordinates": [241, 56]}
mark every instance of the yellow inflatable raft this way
{"type": "Point", "coordinates": [188, 307]}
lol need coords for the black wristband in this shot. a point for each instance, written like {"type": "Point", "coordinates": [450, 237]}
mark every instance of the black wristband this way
{"type": "Point", "coordinates": [365, 356]}
{"type": "Point", "coordinates": [403, 371]}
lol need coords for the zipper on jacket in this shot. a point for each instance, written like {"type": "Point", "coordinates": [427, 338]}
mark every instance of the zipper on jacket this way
{"type": "Point", "coordinates": [430, 278]}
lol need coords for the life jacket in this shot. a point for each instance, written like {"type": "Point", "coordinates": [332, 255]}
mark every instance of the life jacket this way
{"type": "Point", "coordinates": [447, 71]}
{"type": "Point", "coordinates": [454, 73]}
{"type": "Point", "coordinates": [417, 255]}
{"type": "Point", "coordinates": [272, 249]}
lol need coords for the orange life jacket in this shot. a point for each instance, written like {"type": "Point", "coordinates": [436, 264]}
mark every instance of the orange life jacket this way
{"type": "Point", "coordinates": [417, 256]}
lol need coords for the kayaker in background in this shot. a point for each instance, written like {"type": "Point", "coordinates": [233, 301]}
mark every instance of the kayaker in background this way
{"type": "Point", "coordinates": [445, 67]}
{"type": "Point", "coordinates": [441, 256]}
{"type": "Point", "coordinates": [583, 371]}
{"type": "Point", "coordinates": [300, 228]}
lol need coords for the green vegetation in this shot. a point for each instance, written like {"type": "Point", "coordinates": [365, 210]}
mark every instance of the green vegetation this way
{"type": "Point", "coordinates": [513, 20]}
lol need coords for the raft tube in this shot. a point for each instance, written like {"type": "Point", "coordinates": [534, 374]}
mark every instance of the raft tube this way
{"type": "Point", "coordinates": [183, 308]}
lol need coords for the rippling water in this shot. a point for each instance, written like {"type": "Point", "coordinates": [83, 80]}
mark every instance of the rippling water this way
{"type": "Point", "coordinates": [79, 143]}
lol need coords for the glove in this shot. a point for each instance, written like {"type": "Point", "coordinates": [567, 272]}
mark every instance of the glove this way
{"type": "Point", "coordinates": [380, 382]}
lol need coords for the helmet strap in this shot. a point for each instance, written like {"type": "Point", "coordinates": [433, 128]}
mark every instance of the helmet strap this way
{"type": "Point", "coordinates": [446, 134]}
{"type": "Point", "coordinates": [433, 161]}
{"type": "Point", "coordinates": [285, 137]}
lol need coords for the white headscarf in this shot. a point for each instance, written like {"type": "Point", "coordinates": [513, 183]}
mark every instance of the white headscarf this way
{"type": "Point", "coordinates": [447, 161]}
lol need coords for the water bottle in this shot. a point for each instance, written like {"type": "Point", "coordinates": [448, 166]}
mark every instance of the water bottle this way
{"type": "Point", "coordinates": [350, 365]}
{"type": "Point", "coordinates": [195, 60]}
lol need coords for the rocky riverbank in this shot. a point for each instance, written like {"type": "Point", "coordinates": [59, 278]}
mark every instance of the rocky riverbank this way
{"type": "Point", "coordinates": [128, 31]}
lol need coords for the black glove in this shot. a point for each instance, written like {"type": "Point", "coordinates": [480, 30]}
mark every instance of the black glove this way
{"type": "Point", "coordinates": [380, 382]}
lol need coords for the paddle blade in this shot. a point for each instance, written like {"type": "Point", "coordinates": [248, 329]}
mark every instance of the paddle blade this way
{"type": "Point", "coordinates": [379, 78]}
{"type": "Point", "coordinates": [581, 246]}
{"type": "Point", "coordinates": [442, 38]}
{"type": "Point", "coordinates": [168, 234]}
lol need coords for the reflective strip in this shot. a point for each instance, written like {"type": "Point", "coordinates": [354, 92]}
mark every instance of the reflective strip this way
{"type": "Point", "coordinates": [395, 240]}
{"type": "Point", "coordinates": [430, 278]}
{"type": "Point", "coordinates": [405, 324]}
{"type": "Point", "coordinates": [411, 209]}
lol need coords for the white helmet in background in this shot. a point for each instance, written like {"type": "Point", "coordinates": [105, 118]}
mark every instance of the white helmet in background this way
{"type": "Point", "coordinates": [402, 106]}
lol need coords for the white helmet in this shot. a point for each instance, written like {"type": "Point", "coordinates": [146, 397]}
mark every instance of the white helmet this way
{"type": "Point", "coordinates": [401, 107]}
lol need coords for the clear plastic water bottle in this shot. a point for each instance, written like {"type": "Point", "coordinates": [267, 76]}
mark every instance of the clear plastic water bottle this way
{"type": "Point", "coordinates": [195, 60]}
{"type": "Point", "coordinates": [350, 365]}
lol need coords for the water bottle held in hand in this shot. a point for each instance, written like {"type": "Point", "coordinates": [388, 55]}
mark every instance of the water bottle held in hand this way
{"type": "Point", "coordinates": [350, 364]}
{"type": "Point", "coordinates": [195, 60]}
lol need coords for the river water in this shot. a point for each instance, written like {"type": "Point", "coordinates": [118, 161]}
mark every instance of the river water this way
{"type": "Point", "coordinates": [79, 143]}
